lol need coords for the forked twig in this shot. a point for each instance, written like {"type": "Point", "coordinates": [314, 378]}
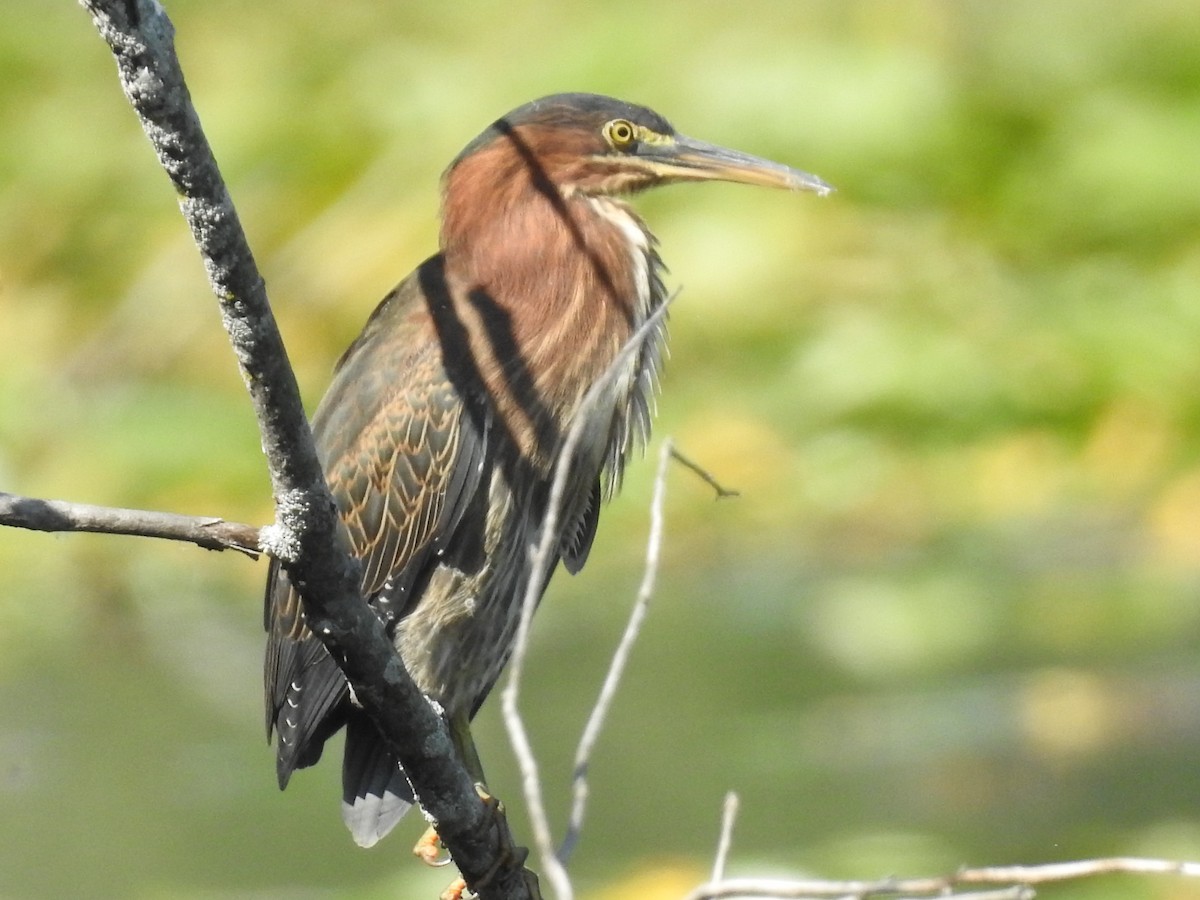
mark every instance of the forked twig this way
{"type": "Point", "coordinates": [616, 667]}
{"type": "Point", "coordinates": [540, 558]}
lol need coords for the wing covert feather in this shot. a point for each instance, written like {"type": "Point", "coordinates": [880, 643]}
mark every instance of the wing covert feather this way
{"type": "Point", "coordinates": [402, 460]}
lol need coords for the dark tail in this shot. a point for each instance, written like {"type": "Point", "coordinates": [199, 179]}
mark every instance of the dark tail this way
{"type": "Point", "coordinates": [375, 791]}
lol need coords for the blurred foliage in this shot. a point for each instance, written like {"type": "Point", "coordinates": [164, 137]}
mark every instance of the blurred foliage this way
{"type": "Point", "coordinates": [951, 619]}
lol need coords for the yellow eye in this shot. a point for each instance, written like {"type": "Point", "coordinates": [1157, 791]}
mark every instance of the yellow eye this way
{"type": "Point", "coordinates": [620, 133]}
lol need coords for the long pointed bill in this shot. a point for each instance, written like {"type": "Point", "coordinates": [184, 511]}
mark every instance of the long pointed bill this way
{"type": "Point", "coordinates": [687, 159]}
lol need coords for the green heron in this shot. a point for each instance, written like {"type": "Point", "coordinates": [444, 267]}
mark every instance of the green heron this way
{"type": "Point", "coordinates": [442, 426]}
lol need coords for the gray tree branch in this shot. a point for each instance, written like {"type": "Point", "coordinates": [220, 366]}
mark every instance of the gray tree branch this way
{"type": "Point", "coordinates": [58, 515]}
{"type": "Point", "coordinates": [305, 536]}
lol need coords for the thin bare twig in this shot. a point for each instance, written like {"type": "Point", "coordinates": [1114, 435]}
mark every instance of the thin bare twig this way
{"type": "Point", "coordinates": [706, 476]}
{"type": "Point", "coordinates": [1013, 882]}
{"type": "Point", "coordinates": [770, 889]}
{"type": "Point", "coordinates": [616, 667]}
{"type": "Point", "coordinates": [540, 558]}
{"type": "Point", "coordinates": [1080, 868]}
{"type": "Point", "coordinates": [211, 533]}
{"type": "Point", "coordinates": [729, 811]}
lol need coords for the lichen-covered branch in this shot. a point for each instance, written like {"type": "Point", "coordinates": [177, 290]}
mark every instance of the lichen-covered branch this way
{"type": "Point", "coordinates": [305, 536]}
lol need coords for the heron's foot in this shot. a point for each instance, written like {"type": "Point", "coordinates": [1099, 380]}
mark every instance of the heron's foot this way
{"type": "Point", "coordinates": [492, 803]}
{"type": "Point", "coordinates": [458, 889]}
{"type": "Point", "coordinates": [510, 854]}
{"type": "Point", "coordinates": [429, 849]}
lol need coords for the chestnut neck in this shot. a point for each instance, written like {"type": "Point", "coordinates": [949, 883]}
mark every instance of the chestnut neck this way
{"type": "Point", "coordinates": [549, 283]}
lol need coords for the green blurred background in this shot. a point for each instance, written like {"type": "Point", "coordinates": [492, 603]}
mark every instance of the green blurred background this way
{"type": "Point", "coordinates": [953, 616]}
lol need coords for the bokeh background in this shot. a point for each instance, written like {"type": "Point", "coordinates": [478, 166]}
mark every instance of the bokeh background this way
{"type": "Point", "coordinates": [953, 616]}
